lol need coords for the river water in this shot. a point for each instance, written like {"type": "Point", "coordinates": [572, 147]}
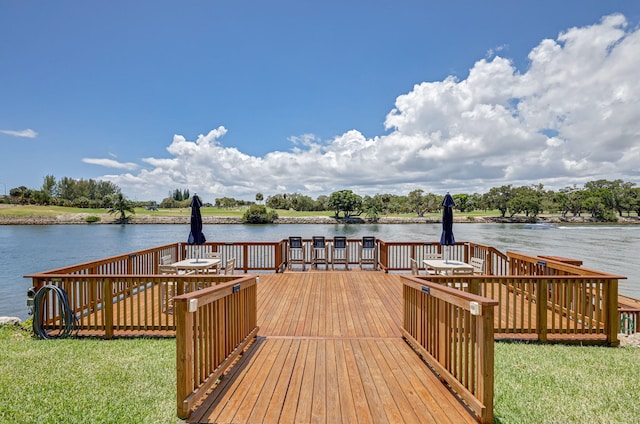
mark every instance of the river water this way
{"type": "Point", "coordinates": [34, 248]}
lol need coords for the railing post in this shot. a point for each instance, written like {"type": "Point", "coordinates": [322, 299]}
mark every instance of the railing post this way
{"type": "Point", "coordinates": [184, 357]}
{"type": "Point", "coordinates": [245, 255]}
{"type": "Point", "coordinates": [107, 304]}
{"type": "Point", "coordinates": [542, 294]}
{"type": "Point", "coordinates": [485, 370]}
{"type": "Point", "coordinates": [612, 324]}
{"type": "Point", "coordinates": [277, 256]}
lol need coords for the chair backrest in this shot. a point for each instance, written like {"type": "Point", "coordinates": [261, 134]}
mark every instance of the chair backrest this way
{"type": "Point", "coordinates": [433, 256]}
{"type": "Point", "coordinates": [213, 255]}
{"type": "Point", "coordinates": [165, 260]}
{"type": "Point", "coordinates": [230, 266]}
{"type": "Point", "coordinates": [340, 242]}
{"type": "Point", "coordinates": [167, 269]}
{"type": "Point", "coordinates": [295, 242]}
{"type": "Point", "coordinates": [478, 265]}
{"type": "Point", "coordinates": [368, 242]}
{"type": "Point", "coordinates": [414, 266]}
{"type": "Point", "coordinates": [318, 242]}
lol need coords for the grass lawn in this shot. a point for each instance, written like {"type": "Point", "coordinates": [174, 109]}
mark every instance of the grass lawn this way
{"type": "Point", "coordinates": [31, 210]}
{"type": "Point", "coordinates": [133, 381]}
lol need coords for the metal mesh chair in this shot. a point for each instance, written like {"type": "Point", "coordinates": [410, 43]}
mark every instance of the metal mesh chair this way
{"type": "Point", "coordinates": [296, 252]}
{"type": "Point", "coordinates": [368, 252]}
{"type": "Point", "coordinates": [339, 252]}
{"type": "Point", "coordinates": [319, 255]}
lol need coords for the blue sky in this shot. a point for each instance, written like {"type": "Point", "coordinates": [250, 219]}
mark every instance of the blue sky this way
{"type": "Point", "coordinates": [234, 98]}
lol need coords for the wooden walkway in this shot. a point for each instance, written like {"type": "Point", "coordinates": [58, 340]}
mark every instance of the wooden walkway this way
{"type": "Point", "coordinates": [329, 350]}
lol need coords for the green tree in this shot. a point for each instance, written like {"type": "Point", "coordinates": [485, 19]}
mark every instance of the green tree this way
{"type": "Point", "coordinates": [418, 202]}
{"type": "Point", "coordinates": [121, 206]}
{"type": "Point", "coordinates": [279, 201]}
{"type": "Point", "coordinates": [463, 202]}
{"type": "Point", "coordinates": [527, 199]}
{"type": "Point", "coordinates": [373, 206]}
{"type": "Point", "coordinates": [49, 184]}
{"type": "Point", "coordinates": [259, 214]}
{"type": "Point", "coordinates": [347, 202]}
{"type": "Point", "coordinates": [259, 197]}
{"type": "Point", "coordinates": [498, 198]}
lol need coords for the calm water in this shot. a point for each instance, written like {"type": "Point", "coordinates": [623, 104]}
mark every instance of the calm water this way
{"type": "Point", "coordinates": [29, 249]}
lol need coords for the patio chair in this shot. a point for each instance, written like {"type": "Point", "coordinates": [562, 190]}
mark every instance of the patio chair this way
{"type": "Point", "coordinates": [168, 288]}
{"type": "Point", "coordinates": [218, 267]}
{"type": "Point", "coordinates": [368, 249]}
{"type": "Point", "coordinates": [339, 252]}
{"type": "Point", "coordinates": [478, 265]}
{"type": "Point", "coordinates": [296, 252]}
{"type": "Point", "coordinates": [229, 267]}
{"type": "Point", "coordinates": [431, 255]}
{"type": "Point", "coordinates": [414, 266]}
{"type": "Point", "coordinates": [166, 260]}
{"type": "Point", "coordinates": [319, 252]}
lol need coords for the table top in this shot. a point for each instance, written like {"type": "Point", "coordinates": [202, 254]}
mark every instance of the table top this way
{"type": "Point", "coordinates": [201, 263]}
{"type": "Point", "coordinates": [439, 264]}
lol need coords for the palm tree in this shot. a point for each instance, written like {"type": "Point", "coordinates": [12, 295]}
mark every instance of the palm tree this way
{"type": "Point", "coordinates": [121, 206]}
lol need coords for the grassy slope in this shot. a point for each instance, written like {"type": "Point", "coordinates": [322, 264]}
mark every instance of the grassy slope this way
{"type": "Point", "coordinates": [25, 211]}
{"type": "Point", "coordinates": [133, 380]}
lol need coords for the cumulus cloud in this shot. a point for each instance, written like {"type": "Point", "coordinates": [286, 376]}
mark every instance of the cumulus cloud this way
{"type": "Point", "coordinates": [110, 163]}
{"type": "Point", "coordinates": [28, 133]}
{"type": "Point", "coordinates": [572, 116]}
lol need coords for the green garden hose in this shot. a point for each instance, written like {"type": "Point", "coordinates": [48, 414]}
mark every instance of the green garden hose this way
{"type": "Point", "coordinates": [67, 317]}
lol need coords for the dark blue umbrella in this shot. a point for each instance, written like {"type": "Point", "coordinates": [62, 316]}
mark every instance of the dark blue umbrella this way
{"type": "Point", "coordinates": [196, 236]}
{"type": "Point", "coordinates": [447, 238]}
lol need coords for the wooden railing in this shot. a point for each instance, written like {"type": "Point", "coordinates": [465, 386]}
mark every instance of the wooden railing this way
{"type": "Point", "coordinates": [453, 331]}
{"type": "Point", "coordinates": [396, 256]}
{"type": "Point", "coordinates": [572, 306]}
{"type": "Point", "coordinates": [249, 256]}
{"type": "Point", "coordinates": [125, 292]}
{"type": "Point", "coordinates": [109, 305]}
{"type": "Point", "coordinates": [628, 314]}
{"type": "Point", "coordinates": [213, 327]}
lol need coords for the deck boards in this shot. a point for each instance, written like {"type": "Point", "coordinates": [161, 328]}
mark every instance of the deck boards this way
{"type": "Point", "coordinates": [330, 351]}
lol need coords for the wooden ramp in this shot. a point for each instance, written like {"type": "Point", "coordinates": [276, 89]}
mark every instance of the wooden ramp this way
{"type": "Point", "coordinates": [330, 351]}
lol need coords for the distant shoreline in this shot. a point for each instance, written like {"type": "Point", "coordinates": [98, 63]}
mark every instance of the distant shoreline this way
{"type": "Point", "coordinates": [80, 219]}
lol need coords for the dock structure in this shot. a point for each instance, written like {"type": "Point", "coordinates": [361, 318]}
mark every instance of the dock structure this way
{"type": "Point", "coordinates": [330, 349]}
{"type": "Point", "coordinates": [386, 343]}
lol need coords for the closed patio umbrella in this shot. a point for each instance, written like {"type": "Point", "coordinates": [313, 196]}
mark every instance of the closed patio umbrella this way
{"type": "Point", "coordinates": [196, 236]}
{"type": "Point", "coordinates": [447, 238]}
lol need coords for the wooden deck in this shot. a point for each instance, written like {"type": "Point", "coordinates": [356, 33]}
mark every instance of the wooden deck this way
{"type": "Point", "coordinates": [329, 350]}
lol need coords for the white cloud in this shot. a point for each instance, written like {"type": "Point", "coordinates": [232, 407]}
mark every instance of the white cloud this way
{"type": "Point", "coordinates": [28, 133]}
{"type": "Point", "coordinates": [572, 116]}
{"type": "Point", "coordinates": [110, 163]}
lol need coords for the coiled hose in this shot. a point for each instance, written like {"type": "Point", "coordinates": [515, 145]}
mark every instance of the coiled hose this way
{"type": "Point", "coordinates": [67, 317]}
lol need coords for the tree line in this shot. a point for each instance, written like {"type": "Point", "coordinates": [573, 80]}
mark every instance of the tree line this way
{"type": "Point", "coordinates": [68, 192]}
{"type": "Point", "coordinates": [600, 199]}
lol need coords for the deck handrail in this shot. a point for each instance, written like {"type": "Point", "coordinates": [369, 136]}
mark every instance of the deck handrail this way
{"type": "Point", "coordinates": [107, 305]}
{"type": "Point", "coordinates": [522, 264]}
{"type": "Point", "coordinates": [228, 311]}
{"type": "Point", "coordinates": [453, 331]}
{"type": "Point", "coordinates": [90, 296]}
{"type": "Point", "coordinates": [572, 306]}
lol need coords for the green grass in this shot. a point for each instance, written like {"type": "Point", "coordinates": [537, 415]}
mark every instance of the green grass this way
{"type": "Point", "coordinates": [566, 384]}
{"type": "Point", "coordinates": [31, 210]}
{"type": "Point", "coordinates": [133, 381]}
{"type": "Point", "coordinates": [86, 380]}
